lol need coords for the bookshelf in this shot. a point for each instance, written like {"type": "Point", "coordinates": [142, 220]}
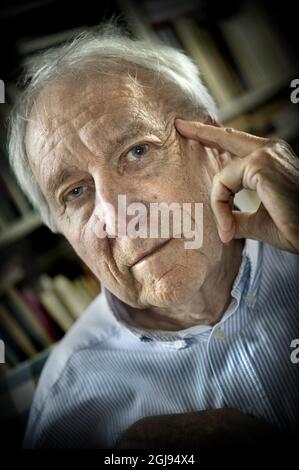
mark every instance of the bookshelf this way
{"type": "Point", "coordinates": [44, 286]}
{"type": "Point", "coordinates": [188, 27]}
{"type": "Point", "coordinates": [253, 98]}
{"type": "Point", "coordinates": [20, 228]}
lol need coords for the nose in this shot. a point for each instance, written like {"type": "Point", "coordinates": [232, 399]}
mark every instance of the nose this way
{"type": "Point", "coordinates": [112, 195]}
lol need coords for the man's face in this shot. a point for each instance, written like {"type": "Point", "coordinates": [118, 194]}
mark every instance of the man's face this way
{"type": "Point", "coordinates": [91, 140]}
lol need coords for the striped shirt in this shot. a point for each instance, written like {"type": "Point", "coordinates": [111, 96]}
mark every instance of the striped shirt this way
{"type": "Point", "coordinates": [106, 373]}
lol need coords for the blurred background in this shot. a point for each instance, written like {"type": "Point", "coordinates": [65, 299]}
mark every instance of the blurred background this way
{"type": "Point", "coordinates": [247, 53]}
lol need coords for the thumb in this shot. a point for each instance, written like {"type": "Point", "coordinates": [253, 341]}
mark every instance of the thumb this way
{"type": "Point", "coordinates": [257, 226]}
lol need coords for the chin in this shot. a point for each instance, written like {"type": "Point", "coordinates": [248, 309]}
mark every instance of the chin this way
{"type": "Point", "coordinates": [175, 287]}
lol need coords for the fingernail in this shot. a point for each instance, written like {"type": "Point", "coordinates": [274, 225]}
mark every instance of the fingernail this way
{"type": "Point", "coordinates": [225, 237]}
{"type": "Point", "coordinates": [226, 224]}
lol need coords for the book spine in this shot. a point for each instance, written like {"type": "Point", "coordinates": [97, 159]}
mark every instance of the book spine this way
{"type": "Point", "coordinates": [52, 303]}
{"type": "Point", "coordinates": [216, 73]}
{"type": "Point", "coordinates": [31, 299]}
{"type": "Point", "coordinates": [28, 319]}
{"type": "Point", "coordinates": [17, 333]}
{"type": "Point", "coordinates": [69, 295]}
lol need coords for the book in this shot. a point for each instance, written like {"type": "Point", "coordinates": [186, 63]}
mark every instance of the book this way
{"type": "Point", "coordinates": [11, 272]}
{"type": "Point", "coordinates": [15, 194]}
{"type": "Point", "coordinates": [8, 210]}
{"type": "Point", "coordinates": [258, 51]}
{"type": "Point", "coordinates": [216, 72]}
{"type": "Point", "coordinates": [159, 11]}
{"type": "Point", "coordinates": [167, 34]}
{"type": "Point", "coordinates": [69, 295]}
{"type": "Point", "coordinates": [84, 292]}
{"type": "Point", "coordinates": [16, 332]}
{"type": "Point", "coordinates": [33, 302]}
{"type": "Point", "coordinates": [87, 287]}
{"type": "Point", "coordinates": [53, 304]}
{"type": "Point", "coordinates": [15, 352]}
{"type": "Point", "coordinates": [27, 318]}
{"type": "Point", "coordinates": [92, 284]}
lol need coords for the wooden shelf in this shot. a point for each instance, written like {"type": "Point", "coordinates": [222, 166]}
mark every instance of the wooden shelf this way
{"type": "Point", "coordinates": [20, 229]}
{"type": "Point", "coordinates": [253, 98]}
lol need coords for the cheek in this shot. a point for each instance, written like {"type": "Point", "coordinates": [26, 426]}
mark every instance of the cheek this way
{"type": "Point", "coordinates": [194, 184]}
{"type": "Point", "coordinates": [83, 240]}
{"type": "Point", "coordinates": [193, 170]}
{"type": "Point", "coordinates": [97, 254]}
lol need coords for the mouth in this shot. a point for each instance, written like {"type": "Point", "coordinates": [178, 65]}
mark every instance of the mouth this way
{"type": "Point", "coordinates": [150, 252]}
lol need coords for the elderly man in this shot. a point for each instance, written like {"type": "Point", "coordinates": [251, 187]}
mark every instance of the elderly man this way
{"type": "Point", "coordinates": [188, 339]}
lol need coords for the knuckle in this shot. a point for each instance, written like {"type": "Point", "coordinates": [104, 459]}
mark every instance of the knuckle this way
{"type": "Point", "coordinates": [256, 166]}
{"type": "Point", "coordinates": [229, 130]}
{"type": "Point", "coordinates": [259, 158]}
{"type": "Point", "coordinates": [216, 178]}
{"type": "Point", "coordinates": [279, 144]}
{"type": "Point", "coordinates": [276, 141]}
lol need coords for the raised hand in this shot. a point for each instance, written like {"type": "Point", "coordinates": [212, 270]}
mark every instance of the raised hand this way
{"type": "Point", "coordinates": [267, 166]}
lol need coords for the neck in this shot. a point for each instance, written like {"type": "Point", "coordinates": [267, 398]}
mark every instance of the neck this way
{"type": "Point", "coordinates": [208, 304]}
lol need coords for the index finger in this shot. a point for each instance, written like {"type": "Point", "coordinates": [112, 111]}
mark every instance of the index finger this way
{"type": "Point", "coordinates": [236, 142]}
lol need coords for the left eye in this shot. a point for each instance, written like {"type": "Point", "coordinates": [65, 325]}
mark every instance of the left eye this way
{"type": "Point", "coordinates": [74, 193]}
{"type": "Point", "coordinates": [137, 152]}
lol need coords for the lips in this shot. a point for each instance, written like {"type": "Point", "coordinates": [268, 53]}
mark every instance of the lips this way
{"type": "Point", "coordinates": [150, 252]}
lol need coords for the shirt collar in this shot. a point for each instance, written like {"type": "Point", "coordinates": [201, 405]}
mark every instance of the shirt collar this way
{"type": "Point", "coordinates": [245, 282]}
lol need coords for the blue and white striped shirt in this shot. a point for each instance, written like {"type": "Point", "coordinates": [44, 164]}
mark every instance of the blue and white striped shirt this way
{"type": "Point", "coordinates": [106, 374]}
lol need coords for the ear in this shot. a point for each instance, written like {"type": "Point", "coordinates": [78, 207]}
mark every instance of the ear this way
{"type": "Point", "coordinates": [224, 157]}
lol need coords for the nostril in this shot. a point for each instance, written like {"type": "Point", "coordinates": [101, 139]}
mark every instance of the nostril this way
{"type": "Point", "coordinates": [100, 230]}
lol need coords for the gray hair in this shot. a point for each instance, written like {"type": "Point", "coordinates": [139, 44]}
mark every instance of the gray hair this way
{"type": "Point", "coordinates": [104, 46]}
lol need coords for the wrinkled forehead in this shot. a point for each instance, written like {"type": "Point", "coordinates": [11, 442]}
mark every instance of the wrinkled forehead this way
{"type": "Point", "coordinates": [82, 104]}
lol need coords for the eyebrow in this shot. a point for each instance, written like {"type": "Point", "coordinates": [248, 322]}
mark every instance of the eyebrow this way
{"type": "Point", "coordinates": [130, 133]}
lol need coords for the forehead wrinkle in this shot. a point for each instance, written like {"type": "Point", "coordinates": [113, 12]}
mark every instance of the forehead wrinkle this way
{"type": "Point", "coordinates": [57, 125]}
{"type": "Point", "coordinates": [141, 120]}
{"type": "Point", "coordinates": [60, 175]}
{"type": "Point", "coordinates": [62, 172]}
{"type": "Point", "coordinates": [113, 135]}
{"type": "Point", "coordinates": [57, 179]}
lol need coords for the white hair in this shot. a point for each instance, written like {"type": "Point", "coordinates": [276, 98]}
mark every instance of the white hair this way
{"type": "Point", "coordinates": [106, 46]}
